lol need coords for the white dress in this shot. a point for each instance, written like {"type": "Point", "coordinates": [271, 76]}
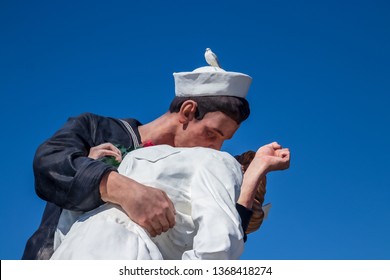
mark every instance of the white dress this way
{"type": "Point", "coordinates": [204, 186]}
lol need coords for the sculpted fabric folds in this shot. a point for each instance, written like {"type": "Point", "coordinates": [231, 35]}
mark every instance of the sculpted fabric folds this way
{"type": "Point", "coordinates": [204, 185]}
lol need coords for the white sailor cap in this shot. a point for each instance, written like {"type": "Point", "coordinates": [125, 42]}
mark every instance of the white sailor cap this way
{"type": "Point", "coordinates": [211, 81]}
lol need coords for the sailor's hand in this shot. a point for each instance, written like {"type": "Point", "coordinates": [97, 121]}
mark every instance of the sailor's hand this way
{"type": "Point", "coordinates": [149, 207]}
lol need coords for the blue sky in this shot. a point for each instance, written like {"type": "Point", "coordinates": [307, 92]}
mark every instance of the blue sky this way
{"type": "Point", "coordinates": [321, 86]}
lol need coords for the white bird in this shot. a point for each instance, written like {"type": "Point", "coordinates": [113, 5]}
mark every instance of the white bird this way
{"type": "Point", "coordinates": [211, 58]}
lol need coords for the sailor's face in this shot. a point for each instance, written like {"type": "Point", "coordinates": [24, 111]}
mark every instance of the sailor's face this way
{"type": "Point", "coordinates": [210, 132]}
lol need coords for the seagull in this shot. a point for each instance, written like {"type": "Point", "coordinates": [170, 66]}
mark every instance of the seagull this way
{"type": "Point", "coordinates": [211, 58]}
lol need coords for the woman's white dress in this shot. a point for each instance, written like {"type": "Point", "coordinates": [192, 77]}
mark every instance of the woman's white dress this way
{"type": "Point", "coordinates": [203, 185]}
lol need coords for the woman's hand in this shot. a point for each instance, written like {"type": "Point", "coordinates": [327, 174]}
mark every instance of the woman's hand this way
{"type": "Point", "coordinates": [273, 156]}
{"type": "Point", "coordinates": [105, 149]}
{"type": "Point", "coordinates": [268, 158]}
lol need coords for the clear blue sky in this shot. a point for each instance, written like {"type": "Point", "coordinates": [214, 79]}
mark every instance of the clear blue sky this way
{"type": "Point", "coordinates": [321, 86]}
